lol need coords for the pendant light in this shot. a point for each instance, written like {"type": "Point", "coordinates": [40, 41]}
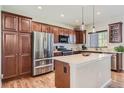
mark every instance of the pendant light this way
{"type": "Point", "coordinates": [93, 29]}
{"type": "Point", "coordinates": [82, 27]}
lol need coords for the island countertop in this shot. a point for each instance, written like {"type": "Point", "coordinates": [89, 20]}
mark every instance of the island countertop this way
{"type": "Point", "coordinates": [78, 71]}
{"type": "Point", "coordinates": [79, 58]}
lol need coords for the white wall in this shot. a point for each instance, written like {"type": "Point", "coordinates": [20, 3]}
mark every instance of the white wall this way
{"type": "Point", "coordinates": [0, 45]}
{"type": "Point", "coordinates": [104, 26]}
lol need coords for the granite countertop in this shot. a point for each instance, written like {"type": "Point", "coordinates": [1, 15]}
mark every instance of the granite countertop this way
{"type": "Point", "coordinates": [93, 50]}
{"type": "Point", "coordinates": [103, 51]}
{"type": "Point", "coordinates": [79, 58]}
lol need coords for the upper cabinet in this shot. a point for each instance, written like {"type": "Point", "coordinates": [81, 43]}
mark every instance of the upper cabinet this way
{"type": "Point", "coordinates": [72, 36]}
{"type": "Point", "coordinates": [36, 26]}
{"type": "Point", "coordinates": [56, 34]}
{"type": "Point", "coordinates": [61, 31]}
{"type": "Point", "coordinates": [80, 37]}
{"type": "Point", "coordinates": [50, 29]}
{"type": "Point", "coordinates": [24, 24]}
{"type": "Point", "coordinates": [66, 32]}
{"type": "Point", "coordinates": [115, 32]}
{"type": "Point", "coordinates": [9, 22]}
{"type": "Point", "coordinates": [45, 28]}
{"type": "Point", "coordinates": [14, 23]}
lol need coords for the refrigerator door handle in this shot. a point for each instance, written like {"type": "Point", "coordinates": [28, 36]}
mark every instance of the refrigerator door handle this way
{"type": "Point", "coordinates": [44, 45]}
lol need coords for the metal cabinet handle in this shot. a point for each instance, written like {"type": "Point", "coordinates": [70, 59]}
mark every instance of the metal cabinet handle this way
{"type": "Point", "coordinates": [65, 69]}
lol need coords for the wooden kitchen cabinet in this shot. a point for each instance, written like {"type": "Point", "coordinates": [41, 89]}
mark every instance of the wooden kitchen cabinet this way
{"type": "Point", "coordinates": [9, 22]}
{"type": "Point", "coordinates": [115, 32]}
{"type": "Point", "coordinates": [61, 31]}
{"type": "Point", "coordinates": [80, 37]}
{"type": "Point", "coordinates": [62, 75]}
{"type": "Point", "coordinates": [72, 36]}
{"type": "Point", "coordinates": [10, 54]}
{"type": "Point", "coordinates": [51, 29]}
{"type": "Point", "coordinates": [77, 52]}
{"type": "Point", "coordinates": [56, 34]}
{"type": "Point", "coordinates": [16, 45]}
{"type": "Point", "coordinates": [36, 26]}
{"type": "Point", "coordinates": [25, 24]}
{"type": "Point", "coordinates": [16, 54]}
{"type": "Point", "coordinates": [24, 53]}
{"type": "Point", "coordinates": [65, 32]}
{"type": "Point", "coordinates": [45, 28]}
{"type": "Point", "coordinates": [58, 53]}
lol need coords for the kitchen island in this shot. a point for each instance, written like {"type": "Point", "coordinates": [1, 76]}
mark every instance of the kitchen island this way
{"type": "Point", "coordinates": [78, 71]}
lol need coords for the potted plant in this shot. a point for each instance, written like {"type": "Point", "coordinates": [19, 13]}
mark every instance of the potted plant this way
{"type": "Point", "coordinates": [119, 48]}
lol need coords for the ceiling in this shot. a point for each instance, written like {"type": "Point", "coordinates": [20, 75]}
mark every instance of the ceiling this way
{"type": "Point", "coordinates": [51, 13]}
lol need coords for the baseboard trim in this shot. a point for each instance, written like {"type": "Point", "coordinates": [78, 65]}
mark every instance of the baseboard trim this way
{"type": "Point", "coordinates": [107, 83]}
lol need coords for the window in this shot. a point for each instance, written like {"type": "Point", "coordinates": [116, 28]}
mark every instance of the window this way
{"type": "Point", "coordinates": [98, 39]}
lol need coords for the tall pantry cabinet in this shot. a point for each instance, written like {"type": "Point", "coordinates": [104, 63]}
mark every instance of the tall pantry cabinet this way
{"type": "Point", "coordinates": [16, 45]}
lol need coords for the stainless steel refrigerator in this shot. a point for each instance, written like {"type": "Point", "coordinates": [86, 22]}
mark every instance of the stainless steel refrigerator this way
{"type": "Point", "coordinates": [42, 53]}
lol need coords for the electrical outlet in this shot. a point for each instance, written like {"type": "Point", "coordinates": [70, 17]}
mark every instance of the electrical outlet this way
{"type": "Point", "coordinates": [1, 77]}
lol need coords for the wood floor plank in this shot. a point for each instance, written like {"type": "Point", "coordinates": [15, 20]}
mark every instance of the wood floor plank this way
{"type": "Point", "coordinates": [48, 81]}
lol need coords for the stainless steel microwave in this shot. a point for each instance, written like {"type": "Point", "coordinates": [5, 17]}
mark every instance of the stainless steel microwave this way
{"type": "Point", "coordinates": [63, 39]}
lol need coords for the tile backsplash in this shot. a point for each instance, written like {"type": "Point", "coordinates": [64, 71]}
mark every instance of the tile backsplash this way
{"type": "Point", "coordinates": [69, 46]}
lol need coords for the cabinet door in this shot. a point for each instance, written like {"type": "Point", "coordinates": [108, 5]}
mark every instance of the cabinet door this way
{"type": "Point", "coordinates": [83, 37]}
{"type": "Point", "coordinates": [62, 73]}
{"type": "Point", "coordinates": [36, 26]}
{"type": "Point", "coordinates": [66, 32]}
{"type": "Point", "coordinates": [10, 56]}
{"type": "Point", "coordinates": [24, 53]}
{"type": "Point", "coordinates": [61, 31]}
{"type": "Point", "coordinates": [58, 54]}
{"type": "Point", "coordinates": [24, 25]}
{"type": "Point", "coordinates": [80, 37]}
{"type": "Point", "coordinates": [9, 22]}
{"type": "Point", "coordinates": [51, 29]}
{"type": "Point", "coordinates": [77, 37]}
{"type": "Point", "coordinates": [71, 36]}
{"type": "Point", "coordinates": [56, 35]}
{"type": "Point", "coordinates": [45, 28]}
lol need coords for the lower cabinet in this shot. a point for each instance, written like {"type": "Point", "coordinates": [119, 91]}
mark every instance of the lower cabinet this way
{"type": "Point", "coordinates": [58, 54]}
{"type": "Point", "coordinates": [62, 74]}
{"type": "Point", "coordinates": [16, 58]}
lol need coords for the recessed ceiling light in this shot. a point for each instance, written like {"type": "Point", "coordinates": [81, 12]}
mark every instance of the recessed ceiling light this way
{"type": "Point", "coordinates": [39, 7]}
{"type": "Point", "coordinates": [62, 15]}
{"type": "Point", "coordinates": [98, 13]}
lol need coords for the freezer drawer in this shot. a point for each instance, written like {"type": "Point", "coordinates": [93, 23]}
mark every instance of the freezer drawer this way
{"type": "Point", "coordinates": [42, 66]}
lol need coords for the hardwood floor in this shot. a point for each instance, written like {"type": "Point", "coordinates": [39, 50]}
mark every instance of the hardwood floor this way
{"type": "Point", "coordinates": [47, 81]}
{"type": "Point", "coordinates": [43, 81]}
{"type": "Point", "coordinates": [117, 80]}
